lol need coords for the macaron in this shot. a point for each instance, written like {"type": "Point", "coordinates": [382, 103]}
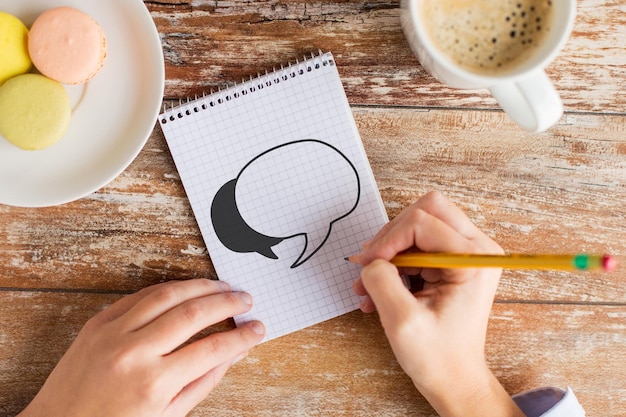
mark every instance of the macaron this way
{"type": "Point", "coordinates": [14, 58]}
{"type": "Point", "coordinates": [35, 111]}
{"type": "Point", "coordinates": [67, 45]}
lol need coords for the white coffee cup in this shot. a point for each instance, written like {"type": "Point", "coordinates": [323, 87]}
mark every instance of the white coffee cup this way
{"type": "Point", "coordinates": [524, 92]}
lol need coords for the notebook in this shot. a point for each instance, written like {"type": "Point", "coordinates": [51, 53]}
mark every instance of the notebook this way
{"type": "Point", "coordinates": [282, 190]}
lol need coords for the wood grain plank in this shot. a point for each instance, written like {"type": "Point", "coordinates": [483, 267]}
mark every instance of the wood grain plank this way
{"type": "Point", "coordinates": [36, 328]}
{"type": "Point", "coordinates": [210, 44]}
{"type": "Point", "coordinates": [344, 366]}
{"type": "Point", "coordinates": [557, 192]}
{"type": "Point", "coordinates": [137, 231]}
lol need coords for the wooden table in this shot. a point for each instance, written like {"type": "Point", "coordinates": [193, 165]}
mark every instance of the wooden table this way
{"type": "Point", "coordinates": [560, 191]}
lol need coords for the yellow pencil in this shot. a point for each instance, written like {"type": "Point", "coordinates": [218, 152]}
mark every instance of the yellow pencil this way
{"type": "Point", "coordinates": [580, 262]}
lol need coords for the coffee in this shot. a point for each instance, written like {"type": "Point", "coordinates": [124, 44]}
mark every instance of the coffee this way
{"type": "Point", "coordinates": [487, 37]}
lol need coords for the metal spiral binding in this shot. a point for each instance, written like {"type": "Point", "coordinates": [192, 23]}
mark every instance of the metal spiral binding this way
{"type": "Point", "coordinates": [251, 86]}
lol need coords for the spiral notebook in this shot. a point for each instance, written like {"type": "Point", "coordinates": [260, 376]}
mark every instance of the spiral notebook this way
{"type": "Point", "coordinates": [282, 190]}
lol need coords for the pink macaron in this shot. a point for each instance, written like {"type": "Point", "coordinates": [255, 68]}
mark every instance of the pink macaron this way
{"type": "Point", "coordinates": [67, 45]}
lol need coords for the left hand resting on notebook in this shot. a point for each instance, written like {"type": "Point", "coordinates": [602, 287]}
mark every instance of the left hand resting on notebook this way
{"type": "Point", "coordinates": [127, 360]}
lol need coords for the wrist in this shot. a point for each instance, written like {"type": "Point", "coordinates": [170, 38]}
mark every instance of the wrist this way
{"type": "Point", "coordinates": [42, 406]}
{"type": "Point", "coordinates": [28, 412]}
{"type": "Point", "coordinates": [475, 394]}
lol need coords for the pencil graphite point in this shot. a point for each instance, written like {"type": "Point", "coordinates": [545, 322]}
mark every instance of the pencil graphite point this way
{"type": "Point", "coordinates": [352, 258]}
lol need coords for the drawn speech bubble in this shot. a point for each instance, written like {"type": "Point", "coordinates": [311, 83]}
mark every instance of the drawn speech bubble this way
{"type": "Point", "coordinates": [300, 188]}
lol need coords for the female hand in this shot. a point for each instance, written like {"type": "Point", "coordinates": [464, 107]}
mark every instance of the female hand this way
{"type": "Point", "coordinates": [438, 333]}
{"type": "Point", "coordinates": [127, 361]}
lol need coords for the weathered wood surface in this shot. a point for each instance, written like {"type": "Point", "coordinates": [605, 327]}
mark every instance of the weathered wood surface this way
{"type": "Point", "coordinates": [342, 367]}
{"type": "Point", "coordinates": [556, 192]}
{"type": "Point", "coordinates": [209, 44]}
{"type": "Point", "coordinates": [560, 191]}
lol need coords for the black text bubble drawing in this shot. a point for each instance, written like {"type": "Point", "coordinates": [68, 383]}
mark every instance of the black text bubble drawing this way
{"type": "Point", "coordinates": [300, 188]}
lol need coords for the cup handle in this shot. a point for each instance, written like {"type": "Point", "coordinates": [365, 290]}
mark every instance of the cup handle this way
{"type": "Point", "coordinates": [532, 102]}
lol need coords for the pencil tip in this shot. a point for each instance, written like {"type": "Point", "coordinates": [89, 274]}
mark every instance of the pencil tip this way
{"type": "Point", "coordinates": [346, 259]}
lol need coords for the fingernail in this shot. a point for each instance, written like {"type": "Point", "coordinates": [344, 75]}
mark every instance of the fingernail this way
{"type": "Point", "coordinates": [367, 244]}
{"type": "Point", "coordinates": [225, 286]}
{"type": "Point", "coordinates": [257, 327]}
{"type": "Point", "coordinates": [246, 298]}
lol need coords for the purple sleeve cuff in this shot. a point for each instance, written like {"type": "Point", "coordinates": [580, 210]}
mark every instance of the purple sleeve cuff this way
{"type": "Point", "coordinates": [549, 402]}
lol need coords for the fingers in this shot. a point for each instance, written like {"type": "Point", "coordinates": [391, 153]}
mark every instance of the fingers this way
{"type": "Point", "coordinates": [358, 287]}
{"type": "Point", "coordinates": [196, 391]}
{"type": "Point", "coordinates": [166, 297]}
{"type": "Point", "coordinates": [213, 352]}
{"type": "Point", "coordinates": [433, 224]}
{"type": "Point", "coordinates": [121, 306]}
{"type": "Point", "coordinates": [388, 293]}
{"type": "Point", "coordinates": [176, 326]}
{"type": "Point", "coordinates": [436, 204]}
{"type": "Point", "coordinates": [417, 229]}
{"type": "Point", "coordinates": [440, 207]}
{"type": "Point", "coordinates": [367, 305]}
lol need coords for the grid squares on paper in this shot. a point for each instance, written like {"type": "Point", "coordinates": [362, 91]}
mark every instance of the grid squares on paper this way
{"type": "Point", "coordinates": [212, 146]}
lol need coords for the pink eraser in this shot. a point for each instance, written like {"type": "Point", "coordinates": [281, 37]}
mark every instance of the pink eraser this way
{"type": "Point", "coordinates": [609, 263]}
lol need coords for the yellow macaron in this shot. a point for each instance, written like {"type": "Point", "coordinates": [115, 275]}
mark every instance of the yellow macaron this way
{"type": "Point", "coordinates": [14, 56]}
{"type": "Point", "coordinates": [35, 111]}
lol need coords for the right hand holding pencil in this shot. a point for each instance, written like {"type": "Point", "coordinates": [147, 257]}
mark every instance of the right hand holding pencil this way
{"type": "Point", "coordinates": [437, 333]}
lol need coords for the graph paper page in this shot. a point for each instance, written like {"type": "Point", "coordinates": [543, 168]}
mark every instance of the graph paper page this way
{"type": "Point", "coordinates": [282, 191]}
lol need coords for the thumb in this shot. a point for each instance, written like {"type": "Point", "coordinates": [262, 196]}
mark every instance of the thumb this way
{"type": "Point", "coordinates": [394, 302]}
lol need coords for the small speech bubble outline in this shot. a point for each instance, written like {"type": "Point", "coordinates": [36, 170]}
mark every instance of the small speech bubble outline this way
{"type": "Point", "coordinates": [300, 188]}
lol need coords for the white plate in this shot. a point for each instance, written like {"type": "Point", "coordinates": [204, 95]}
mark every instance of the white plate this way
{"type": "Point", "coordinates": [113, 114]}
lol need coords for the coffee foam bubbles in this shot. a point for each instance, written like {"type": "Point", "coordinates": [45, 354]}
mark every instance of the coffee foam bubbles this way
{"type": "Point", "coordinates": [487, 36]}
